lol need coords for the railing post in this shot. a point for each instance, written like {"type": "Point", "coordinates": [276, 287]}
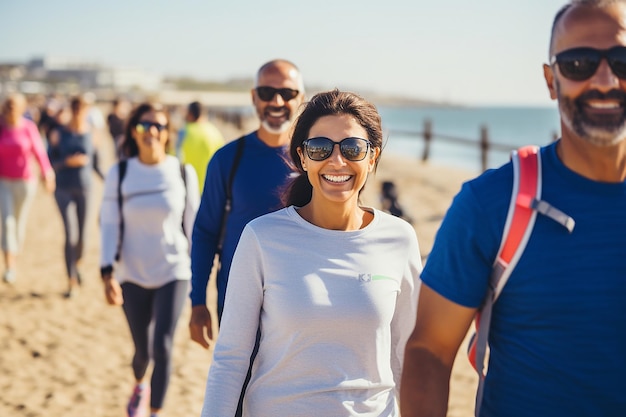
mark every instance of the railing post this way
{"type": "Point", "coordinates": [484, 146]}
{"type": "Point", "coordinates": [428, 136]}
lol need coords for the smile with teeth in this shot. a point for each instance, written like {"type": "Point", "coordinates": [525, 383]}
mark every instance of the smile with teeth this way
{"type": "Point", "coordinates": [276, 112]}
{"type": "Point", "coordinates": [336, 178]}
{"type": "Point", "coordinates": [604, 105]}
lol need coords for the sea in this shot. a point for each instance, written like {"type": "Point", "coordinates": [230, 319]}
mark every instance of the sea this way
{"type": "Point", "coordinates": [508, 128]}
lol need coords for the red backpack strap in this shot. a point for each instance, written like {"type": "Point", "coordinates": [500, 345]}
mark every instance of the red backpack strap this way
{"type": "Point", "coordinates": [517, 229]}
{"type": "Point", "coordinates": [524, 206]}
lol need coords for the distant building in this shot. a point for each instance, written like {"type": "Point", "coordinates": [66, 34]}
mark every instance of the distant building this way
{"type": "Point", "coordinates": [53, 73]}
{"type": "Point", "coordinates": [93, 76]}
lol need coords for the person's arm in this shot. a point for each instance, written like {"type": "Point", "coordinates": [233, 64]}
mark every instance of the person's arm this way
{"type": "Point", "coordinates": [242, 309]}
{"type": "Point", "coordinates": [47, 173]}
{"type": "Point", "coordinates": [192, 201]}
{"type": "Point", "coordinates": [205, 235]}
{"type": "Point", "coordinates": [440, 328]}
{"type": "Point", "coordinates": [109, 235]}
{"type": "Point", "coordinates": [406, 305]}
{"type": "Point", "coordinates": [57, 160]}
{"type": "Point", "coordinates": [455, 282]}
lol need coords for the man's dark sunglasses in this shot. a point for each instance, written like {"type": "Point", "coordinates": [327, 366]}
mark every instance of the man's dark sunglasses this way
{"type": "Point", "coordinates": [579, 64]}
{"type": "Point", "coordinates": [145, 126]}
{"type": "Point", "coordinates": [320, 148]}
{"type": "Point", "coordinates": [268, 93]}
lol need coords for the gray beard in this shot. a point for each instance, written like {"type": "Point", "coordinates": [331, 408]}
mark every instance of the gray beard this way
{"type": "Point", "coordinates": [276, 130]}
{"type": "Point", "coordinates": [596, 134]}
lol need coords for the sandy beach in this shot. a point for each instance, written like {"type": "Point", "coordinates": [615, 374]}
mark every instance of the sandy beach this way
{"type": "Point", "coordinates": [71, 358]}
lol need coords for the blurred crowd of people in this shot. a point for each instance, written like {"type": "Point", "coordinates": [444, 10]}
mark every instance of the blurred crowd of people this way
{"type": "Point", "coordinates": [65, 135]}
{"type": "Point", "coordinates": [164, 187]}
{"type": "Point", "coordinates": [323, 307]}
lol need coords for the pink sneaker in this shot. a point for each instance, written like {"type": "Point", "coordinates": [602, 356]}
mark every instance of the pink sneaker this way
{"type": "Point", "coordinates": [138, 403]}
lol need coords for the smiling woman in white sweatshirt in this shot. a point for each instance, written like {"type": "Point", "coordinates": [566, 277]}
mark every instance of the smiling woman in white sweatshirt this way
{"type": "Point", "coordinates": [331, 286]}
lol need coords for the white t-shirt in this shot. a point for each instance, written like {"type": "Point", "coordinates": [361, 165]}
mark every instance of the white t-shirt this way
{"type": "Point", "coordinates": [335, 309]}
{"type": "Point", "coordinates": [155, 250]}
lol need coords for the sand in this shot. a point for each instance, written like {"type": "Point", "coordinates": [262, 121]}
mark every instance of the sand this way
{"type": "Point", "coordinates": [71, 358]}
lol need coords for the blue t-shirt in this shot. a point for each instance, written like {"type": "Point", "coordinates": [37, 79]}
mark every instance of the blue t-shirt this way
{"type": "Point", "coordinates": [558, 331]}
{"type": "Point", "coordinates": [259, 180]}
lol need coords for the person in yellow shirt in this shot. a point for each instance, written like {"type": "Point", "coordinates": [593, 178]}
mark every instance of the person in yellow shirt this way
{"type": "Point", "coordinates": [199, 140]}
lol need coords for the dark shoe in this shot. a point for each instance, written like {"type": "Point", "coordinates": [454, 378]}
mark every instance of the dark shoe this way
{"type": "Point", "coordinates": [72, 289]}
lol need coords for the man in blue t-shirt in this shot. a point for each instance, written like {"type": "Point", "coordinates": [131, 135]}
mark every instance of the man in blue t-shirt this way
{"type": "Point", "coordinates": [558, 329]}
{"type": "Point", "coordinates": [261, 173]}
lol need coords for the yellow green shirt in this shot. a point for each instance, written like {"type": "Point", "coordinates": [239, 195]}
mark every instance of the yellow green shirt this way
{"type": "Point", "coordinates": [199, 142]}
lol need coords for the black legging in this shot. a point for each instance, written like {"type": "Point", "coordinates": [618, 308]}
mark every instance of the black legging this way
{"type": "Point", "coordinates": [162, 306]}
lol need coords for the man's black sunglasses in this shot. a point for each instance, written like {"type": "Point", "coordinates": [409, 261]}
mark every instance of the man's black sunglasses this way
{"type": "Point", "coordinates": [268, 93]}
{"type": "Point", "coordinates": [579, 64]}
{"type": "Point", "coordinates": [320, 148]}
{"type": "Point", "coordinates": [145, 126]}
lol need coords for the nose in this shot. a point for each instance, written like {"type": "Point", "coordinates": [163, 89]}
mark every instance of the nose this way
{"type": "Point", "coordinates": [604, 79]}
{"type": "Point", "coordinates": [277, 100]}
{"type": "Point", "coordinates": [336, 156]}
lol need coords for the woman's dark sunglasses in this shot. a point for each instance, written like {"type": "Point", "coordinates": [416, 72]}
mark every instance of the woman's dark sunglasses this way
{"type": "Point", "coordinates": [579, 64]}
{"type": "Point", "coordinates": [268, 93]}
{"type": "Point", "coordinates": [320, 148]}
{"type": "Point", "coordinates": [145, 126]}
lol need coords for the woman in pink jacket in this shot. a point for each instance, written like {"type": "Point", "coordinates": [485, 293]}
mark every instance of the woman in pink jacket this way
{"type": "Point", "coordinates": [19, 141]}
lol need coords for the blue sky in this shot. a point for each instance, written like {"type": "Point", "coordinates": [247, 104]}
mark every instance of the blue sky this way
{"type": "Point", "coordinates": [484, 52]}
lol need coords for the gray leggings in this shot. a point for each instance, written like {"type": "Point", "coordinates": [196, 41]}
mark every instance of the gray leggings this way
{"type": "Point", "coordinates": [75, 223]}
{"type": "Point", "coordinates": [16, 197]}
{"type": "Point", "coordinates": [161, 307]}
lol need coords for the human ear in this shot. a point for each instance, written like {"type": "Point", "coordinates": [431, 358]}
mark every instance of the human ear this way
{"type": "Point", "coordinates": [548, 74]}
{"type": "Point", "coordinates": [373, 158]}
{"type": "Point", "coordinates": [302, 158]}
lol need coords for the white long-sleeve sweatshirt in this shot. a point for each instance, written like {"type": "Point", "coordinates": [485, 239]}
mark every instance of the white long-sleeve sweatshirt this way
{"type": "Point", "coordinates": [154, 250]}
{"type": "Point", "coordinates": [335, 309]}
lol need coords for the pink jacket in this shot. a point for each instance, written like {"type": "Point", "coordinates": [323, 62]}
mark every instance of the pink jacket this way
{"type": "Point", "coordinates": [17, 145]}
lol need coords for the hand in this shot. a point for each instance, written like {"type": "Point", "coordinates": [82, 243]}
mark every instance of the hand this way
{"type": "Point", "coordinates": [49, 181]}
{"type": "Point", "coordinates": [77, 160]}
{"type": "Point", "coordinates": [199, 321]}
{"type": "Point", "coordinates": [113, 292]}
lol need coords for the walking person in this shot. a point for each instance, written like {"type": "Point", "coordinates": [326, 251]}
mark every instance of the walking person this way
{"type": "Point", "coordinates": [19, 143]}
{"type": "Point", "coordinates": [332, 285]}
{"type": "Point", "coordinates": [243, 181]}
{"type": "Point", "coordinates": [148, 209]}
{"type": "Point", "coordinates": [260, 170]}
{"type": "Point", "coordinates": [115, 122]}
{"type": "Point", "coordinates": [557, 336]}
{"type": "Point", "coordinates": [96, 124]}
{"type": "Point", "coordinates": [199, 140]}
{"type": "Point", "coordinates": [71, 153]}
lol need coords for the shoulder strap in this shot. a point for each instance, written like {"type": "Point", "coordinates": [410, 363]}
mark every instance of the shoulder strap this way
{"type": "Point", "coordinates": [121, 169]}
{"type": "Point", "coordinates": [183, 174]}
{"type": "Point", "coordinates": [523, 208]}
{"type": "Point", "coordinates": [520, 220]}
{"type": "Point", "coordinates": [120, 202]}
{"type": "Point", "coordinates": [229, 194]}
